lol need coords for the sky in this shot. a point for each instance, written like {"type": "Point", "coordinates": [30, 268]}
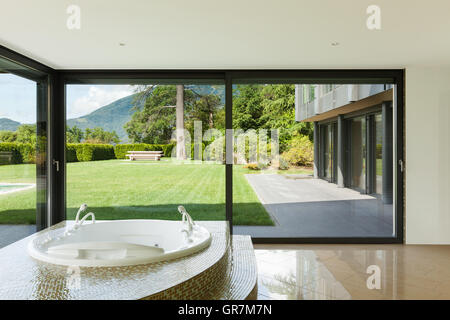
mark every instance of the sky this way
{"type": "Point", "coordinates": [18, 98]}
{"type": "Point", "coordinates": [83, 99]}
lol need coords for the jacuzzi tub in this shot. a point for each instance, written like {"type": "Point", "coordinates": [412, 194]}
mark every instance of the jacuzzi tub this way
{"type": "Point", "coordinates": [118, 243]}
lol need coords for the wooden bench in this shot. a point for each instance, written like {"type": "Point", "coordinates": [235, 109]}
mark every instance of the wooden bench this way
{"type": "Point", "coordinates": [144, 155]}
{"type": "Point", "coordinates": [6, 157]}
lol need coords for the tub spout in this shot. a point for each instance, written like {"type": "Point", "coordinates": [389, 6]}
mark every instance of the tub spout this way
{"type": "Point", "coordinates": [187, 221]}
{"type": "Point", "coordinates": [83, 207]}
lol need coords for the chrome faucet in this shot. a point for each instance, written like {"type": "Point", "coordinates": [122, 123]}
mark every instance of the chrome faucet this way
{"type": "Point", "coordinates": [187, 221]}
{"type": "Point", "coordinates": [79, 222]}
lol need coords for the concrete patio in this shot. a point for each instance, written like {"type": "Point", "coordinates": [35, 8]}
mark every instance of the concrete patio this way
{"type": "Point", "coordinates": [304, 207]}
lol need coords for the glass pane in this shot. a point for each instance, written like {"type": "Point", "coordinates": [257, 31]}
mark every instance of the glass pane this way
{"type": "Point", "coordinates": [329, 151]}
{"type": "Point", "coordinates": [379, 153]}
{"type": "Point", "coordinates": [18, 157]}
{"type": "Point", "coordinates": [276, 191]}
{"type": "Point", "coordinates": [155, 147]}
{"type": "Point", "coordinates": [358, 147]}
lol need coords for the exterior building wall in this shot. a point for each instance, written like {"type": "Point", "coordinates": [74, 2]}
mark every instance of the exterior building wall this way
{"type": "Point", "coordinates": [325, 100]}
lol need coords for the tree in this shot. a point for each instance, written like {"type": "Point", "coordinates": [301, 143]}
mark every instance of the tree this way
{"type": "Point", "coordinates": [98, 135]}
{"type": "Point", "coordinates": [156, 119]}
{"type": "Point", "coordinates": [26, 133]}
{"type": "Point", "coordinates": [74, 135]}
{"type": "Point", "coordinates": [279, 113]}
{"type": "Point", "coordinates": [209, 110]}
{"type": "Point", "coordinates": [247, 107]}
{"type": "Point", "coordinates": [161, 109]}
{"type": "Point", "coordinates": [8, 136]}
{"type": "Point", "coordinates": [268, 107]}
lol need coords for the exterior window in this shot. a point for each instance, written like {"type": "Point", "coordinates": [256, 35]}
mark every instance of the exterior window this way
{"type": "Point", "coordinates": [358, 153]}
{"type": "Point", "coordinates": [378, 154]}
{"type": "Point", "coordinates": [308, 93]}
{"type": "Point", "coordinates": [328, 88]}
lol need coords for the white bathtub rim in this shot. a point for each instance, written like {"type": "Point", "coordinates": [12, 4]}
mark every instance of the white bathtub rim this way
{"type": "Point", "coordinates": [170, 255]}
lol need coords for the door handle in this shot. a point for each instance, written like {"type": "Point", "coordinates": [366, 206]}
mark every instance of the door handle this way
{"type": "Point", "coordinates": [402, 165]}
{"type": "Point", "coordinates": [56, 162]}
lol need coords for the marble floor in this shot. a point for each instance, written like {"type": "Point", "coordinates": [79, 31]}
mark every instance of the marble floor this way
{"type": "Point", "coordinates": [339, 272]}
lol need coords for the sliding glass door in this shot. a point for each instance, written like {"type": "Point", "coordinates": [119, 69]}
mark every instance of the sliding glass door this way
{"type": "Point", "coordinates": [296, 167]}
{"type": "Point", "coordinates": [141, 151]}
{"type": "Point", "coordinates": [23, 152]}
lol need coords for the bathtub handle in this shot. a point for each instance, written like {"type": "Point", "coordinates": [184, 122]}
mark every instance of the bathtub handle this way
{"type": "Point", "coordinates": [90, 214]}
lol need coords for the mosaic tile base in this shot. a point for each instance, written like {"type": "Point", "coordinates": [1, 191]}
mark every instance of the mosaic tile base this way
{"type": "Point", "coordinates": [234, 277]}
{"type": "Point", "coordinates": [242, 272]}
{"type": "Point", "coordinates": [22, 277]}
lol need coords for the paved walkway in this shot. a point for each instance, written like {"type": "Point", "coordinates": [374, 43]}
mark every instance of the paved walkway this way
{"type": "Point", "coordinates": [11, 233]}
{"type": "Point", "coordinates": [306, 207]}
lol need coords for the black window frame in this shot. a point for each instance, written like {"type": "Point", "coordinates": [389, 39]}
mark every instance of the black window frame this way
{"type": "Point", "coordinates": [22, 66]}
{"type": "Point", "coordinates": [58, 79]}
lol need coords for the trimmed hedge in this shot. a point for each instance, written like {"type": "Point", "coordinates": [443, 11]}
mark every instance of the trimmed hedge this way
{"type": "Point", "coordinates": [71, 152]}
{"type": "Point", "coordinates": [93, 152]}
{"type": "Point", "coordinates": [21, 152]}
{"type": "Point", "coordinates": [89, 152]}
{"type": "Point", "coordinates": [170, 149]}
{"type": "Point", "coordinates": [10, 148]}
{"type": "Point", "coordinates": [28, 152]}
{"type": "Point", "coordinates": [122, 149]}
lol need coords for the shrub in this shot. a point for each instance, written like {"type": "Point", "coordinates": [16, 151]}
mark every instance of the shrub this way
{"type": "Point", "coordinates": [252, 166]}
{"type": "Point", "coordinates": [280, 163]}
{"type": "Point", "coordinates": [19, 152]}
{"type": "Point", "coordinates": [28, 152]}
{"type": "Point", "coordinates": [379, 151]}
{"type": "Point", "coordinates": [93, 152]}
{"type": "Point", "coordinates": [71, 152]}
{"type": "Point", "coordinates": [171, 151]}
{"type": "Point", "coordinates": [122, 149]}
{"type": "Point", "coordinates": [300, 151]}
{"type": "Point", "coordinates": [167, 149]}
{"type": "Point", "coordinates": [259, 155]}
{"type": "Point", "coordinates": [262, 165]}
{"type": "Point", "coordinates": [283, 164]}
{"type": "Point", "coordinates": [8, 149]}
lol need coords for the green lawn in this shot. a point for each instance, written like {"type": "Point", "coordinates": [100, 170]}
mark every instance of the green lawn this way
{"type": "Point", "coordinates": [117, 189]}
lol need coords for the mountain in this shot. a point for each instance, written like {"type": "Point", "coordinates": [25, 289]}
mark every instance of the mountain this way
{"type": "Point", "coordinates": [110, 117]}
{"type": "Point", "coordinates": [8, 124]}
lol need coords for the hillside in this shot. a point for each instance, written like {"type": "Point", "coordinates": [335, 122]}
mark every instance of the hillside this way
{"type": "Point", "coordinates": [110, 117]}
{"type": "Point", "coordinates": [8, 124]}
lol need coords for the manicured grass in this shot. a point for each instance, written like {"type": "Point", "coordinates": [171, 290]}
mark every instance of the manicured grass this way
{"type": "Point", "coordinates": [117, 189]}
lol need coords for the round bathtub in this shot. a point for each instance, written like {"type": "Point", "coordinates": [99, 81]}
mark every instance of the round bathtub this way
{"type": "Point", "coordinates": [118, 243]}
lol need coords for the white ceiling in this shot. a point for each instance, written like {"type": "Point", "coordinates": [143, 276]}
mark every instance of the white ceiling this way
{"type": "Point", "coordinates": [162, 34]}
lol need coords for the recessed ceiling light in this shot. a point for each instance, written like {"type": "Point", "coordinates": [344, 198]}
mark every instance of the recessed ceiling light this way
{"type": "Point", "coordinates": [335, 44]}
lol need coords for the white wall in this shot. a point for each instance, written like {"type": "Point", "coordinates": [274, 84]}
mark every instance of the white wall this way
{"type": "Point", "coordinates": [427, 155]}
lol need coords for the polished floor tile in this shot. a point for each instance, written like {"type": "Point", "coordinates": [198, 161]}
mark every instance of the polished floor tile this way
{"type": "Point", "coordinates": [323, 272]}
